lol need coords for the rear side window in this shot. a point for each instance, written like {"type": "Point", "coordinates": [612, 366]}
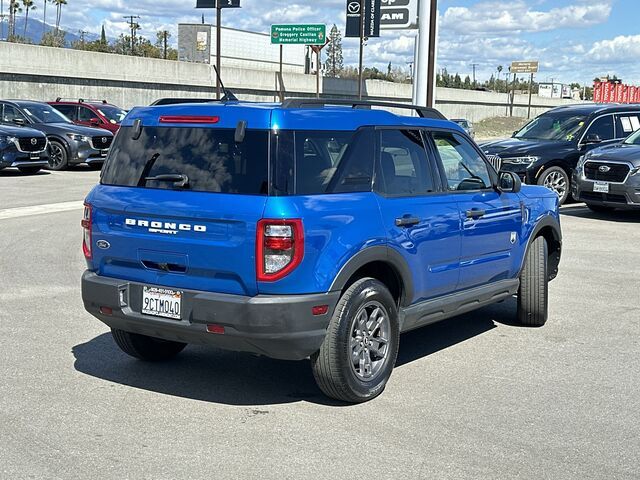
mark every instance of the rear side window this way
{"type": "Point", "coordinates": [626, 124]}
{"type": "Point", "coordinates": [602, 127]}
{"type": "Point", "coordinates": [319, 162]}
{"type": "Point", "coordinates": [197, 159]}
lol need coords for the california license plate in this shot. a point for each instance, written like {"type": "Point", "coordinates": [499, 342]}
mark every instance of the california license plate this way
{"type": "Point", "coordinates": [162, 302]}
{"type": "Point", "coordinates": [601, 187]}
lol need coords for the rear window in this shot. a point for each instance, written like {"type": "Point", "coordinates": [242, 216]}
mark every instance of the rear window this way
{"type": "Point", "coordinates": [187, 158]}
{"type": "Point", "coordinates": [322, 162]}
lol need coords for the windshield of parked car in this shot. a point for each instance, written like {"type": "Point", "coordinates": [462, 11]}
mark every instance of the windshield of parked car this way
{"type": "Point", "coordinates": [563, 126]}
{"type": "Point", "coordinates": [115, 115]}
{"type": "Point", "coordinates": [633, 139]}
{"type": "Point", "coordinates": [42, 113]}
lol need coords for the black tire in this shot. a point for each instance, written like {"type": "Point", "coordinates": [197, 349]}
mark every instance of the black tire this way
{"type": "Point", "coordinates": [558, 180]}
{"type": "Point", "coordinates": [146, 348]}
{"type": "Point", "coordinates": [533, 295]}
{"type": "Point", "coordinates": [58, 156]}
{"type": "Point", "coordinates": [333, 365]}
{"type": "Point", "coordinates": [599, 208]}
{"type": "Point", "coordinates": [29, 170]}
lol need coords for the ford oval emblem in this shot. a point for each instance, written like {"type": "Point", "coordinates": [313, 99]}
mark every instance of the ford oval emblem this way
{"type": "Point", "coordinates": [103, 244]}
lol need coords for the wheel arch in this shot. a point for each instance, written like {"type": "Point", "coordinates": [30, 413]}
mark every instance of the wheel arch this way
{"type": "Point", "coordinates": [558, 162]}
{"type": "Point", "coordinates": [385, 265]}
{"type": "Point", "coordinates": [549, 228]}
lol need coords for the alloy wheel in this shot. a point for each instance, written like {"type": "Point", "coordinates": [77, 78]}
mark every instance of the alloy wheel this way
{"type": "Point", "coordinates": [557, 182]}
{"type": "Point", "coordinates": [370, 333]}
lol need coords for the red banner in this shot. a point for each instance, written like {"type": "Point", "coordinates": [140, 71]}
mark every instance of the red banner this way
{"type": "Point", "coordinates": [619, 92]}
{"type": "Point", "coordinates": [597, 92]}
{"type": "Point", "coordinates": [609, 92]}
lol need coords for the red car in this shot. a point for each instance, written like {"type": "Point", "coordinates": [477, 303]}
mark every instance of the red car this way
{"type": "Point", "coordinates": [91, 113]}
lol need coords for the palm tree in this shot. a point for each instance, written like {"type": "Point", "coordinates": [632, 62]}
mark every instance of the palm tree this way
{"type": "Point", "coordinates": [59, 4]}
{"type": "Point", "coordinates": [44, 17]}
{"type": "Point", "coordinates": [28, 5]}
{"type": "Point", "coordinates": [14, 8]}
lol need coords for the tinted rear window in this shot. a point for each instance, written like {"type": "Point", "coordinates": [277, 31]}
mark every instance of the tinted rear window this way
{"type": "Point", "coordinates": [210, 159]}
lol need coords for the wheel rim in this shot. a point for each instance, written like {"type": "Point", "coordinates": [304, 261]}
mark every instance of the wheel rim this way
{"type": "Point", "coordinates": [370, 332]}
{"type": "Point", "coordinates": [55, 156]}
{"type": "Point", "coordinates": [557, 182]}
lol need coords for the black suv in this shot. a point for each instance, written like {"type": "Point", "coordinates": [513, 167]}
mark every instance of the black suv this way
{"type": "Point", "coordinates": [547, 149]}
{"type": "Point", "coordinates": [69, 144]}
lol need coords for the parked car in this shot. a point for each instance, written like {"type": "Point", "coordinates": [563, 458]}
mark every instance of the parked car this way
{"type": "Point", "coordinates": [69, 144]}
{"type": "Point", "coordinates": [546, 150]}
{"type": "Point", "coordinates": [92, 113]}
{"type": "Point", "coordinates": [607, 178]}
{"type": "Point", "coordinates": [466, 125]}
{"type": "Point", "coordinates": [309, 228]}
{"type": "Point", "coordinates": [23, 148]}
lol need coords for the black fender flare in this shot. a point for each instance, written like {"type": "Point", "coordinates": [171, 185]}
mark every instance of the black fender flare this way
{"type": "Point", "coordinates": [546, 222]}
{"type": "Point", "coordinates": [383, 254]}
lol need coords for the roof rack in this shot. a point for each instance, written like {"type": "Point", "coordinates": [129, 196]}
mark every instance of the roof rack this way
{"type": "Point", "coordinates": [178, 101]}
{"type": "Point", "coordinates": [424, 112]}
{"type": "Point", "coordinates": [82, 100]}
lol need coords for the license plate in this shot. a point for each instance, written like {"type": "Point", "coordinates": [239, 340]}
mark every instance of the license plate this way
{"type": "Point", "coordinates": [35, 157]}
{"type": "Point", "coordinates": [162, 302]}
{"type": "Point", "coordinates": [104, 153]}
{"type": "Point", "coordinates": [601, 187]}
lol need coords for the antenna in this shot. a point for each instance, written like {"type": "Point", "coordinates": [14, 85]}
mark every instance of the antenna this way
{"type": "Point", "coordinates": [228, 94]}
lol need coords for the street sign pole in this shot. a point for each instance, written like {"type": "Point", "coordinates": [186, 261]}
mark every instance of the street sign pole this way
{"type": "Point", "coordinates": [218, 49]}
{"type": "Point", "coordinates": [361, 60]}
{"type": "Point", "coordinates": [530, 94]}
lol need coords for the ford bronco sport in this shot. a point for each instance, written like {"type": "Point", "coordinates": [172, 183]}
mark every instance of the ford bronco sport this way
{"type": "Point", "coordinates": [311, 228]}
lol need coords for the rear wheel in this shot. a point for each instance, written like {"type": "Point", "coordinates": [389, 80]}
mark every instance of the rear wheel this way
{"type": "Point", "coordinates": [533, 295]}
{"type": "Point", "coordinates": [599, 208]}
{"type": "Point", "coordinates": [29, 170]}
{"type": "Point", "coordinates": [146, 348]}
{"type": "Point", "coordinates": [361, 345]}
{"type": "Point", "coordinates": [58, 156]}
{"type": "Point", "coordinates": [557, 180]}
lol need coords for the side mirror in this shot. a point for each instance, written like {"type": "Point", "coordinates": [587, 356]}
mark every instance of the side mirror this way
{"type": "Point", "coordinates": [592, 138]}
{"type": "Point", "coordinates": [509, 182]}
{"type": "Point", "coordinates": [95, 121]}
{"type": "Point", "coordinates": [20, 122]}
{"type": "Point", "coordinates": [514, 133]}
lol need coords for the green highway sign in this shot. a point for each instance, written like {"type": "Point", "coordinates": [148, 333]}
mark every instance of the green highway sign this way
{"type": "Point", "coordinates": [305, 34]}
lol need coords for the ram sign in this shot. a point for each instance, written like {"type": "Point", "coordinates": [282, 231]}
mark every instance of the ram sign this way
{"type": "Point", "coordinates": [399, 14]}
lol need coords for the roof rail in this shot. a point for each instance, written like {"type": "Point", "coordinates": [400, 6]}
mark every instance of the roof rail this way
{"type": "Point", "coordinates": [82, 100]}
{"type": "Point", "coordinates": [178, 101]}
{"type": "Point", "coordinates": [424, 112]}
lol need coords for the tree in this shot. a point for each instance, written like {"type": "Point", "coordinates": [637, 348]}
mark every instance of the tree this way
{"type": "Point", "coordinates": [103, 37]}
{"type": "Point", "coordinates": [457, 81]}
{"type": "Point", "coordinates": [162, 42]}
{"type": "Point", "coordinates": [334, 63]}
{"type": "Point", "coordinates": [44, 16]}
{"type": "Point", "coordinates": [28, 5]}
{"type": "Point", "coordinates": [467, 83]}
{"type": "Point", "coordinates": [59, 4]}
{"type": "Point", "coordinates": [14, 8]}
{"type": "Point", "coordinates": [54, 39]}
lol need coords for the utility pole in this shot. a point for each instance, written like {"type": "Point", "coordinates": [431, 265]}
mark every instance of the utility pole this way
{"type": "Point", "coordinates": [218, 48]}
{"type": "Point", "coordinates": [425, 68]}
{"type": "Point", "coordinates": [133, 26]}
{"type": "Point", "coordinates": [474, 65]}
{"type": "Point", "coordinates": [165, 38]}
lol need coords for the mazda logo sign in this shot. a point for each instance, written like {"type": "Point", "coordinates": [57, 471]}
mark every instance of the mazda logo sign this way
{"type": "Point", "coordinates": [604, 168]}
{"type": "Point", "coordinates": [354, 8]}
{"type": "Point", "coordinates": [34, 141]}
{"type": "Point", "coordinates": [104, 139]}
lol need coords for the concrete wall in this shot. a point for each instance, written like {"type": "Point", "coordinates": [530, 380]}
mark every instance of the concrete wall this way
{"type": "Point", "coordinates": [44, 73]}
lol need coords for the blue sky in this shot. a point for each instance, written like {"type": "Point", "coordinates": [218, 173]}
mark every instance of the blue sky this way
{"type": "Point", "coordinates": [575, 40]}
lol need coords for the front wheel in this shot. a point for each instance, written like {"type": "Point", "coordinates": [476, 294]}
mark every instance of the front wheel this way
{"type": "Point", "coordinates": [533, 295]}
{"type": "Point", "coordinates": [557, 180]}
{"type": "Point", "coordinates": [361, 345]}
{"type": "Point", "coordinates": [146, 348]}
{"type": "Point", "coordinates": [58, 156]}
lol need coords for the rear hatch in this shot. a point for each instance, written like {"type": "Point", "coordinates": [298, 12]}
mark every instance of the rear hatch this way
{"type": "Point", "coordinates": [178, 206]}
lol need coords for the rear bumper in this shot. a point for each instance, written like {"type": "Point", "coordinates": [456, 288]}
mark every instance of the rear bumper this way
{"type": "Point", "coordinates": [276, 326]}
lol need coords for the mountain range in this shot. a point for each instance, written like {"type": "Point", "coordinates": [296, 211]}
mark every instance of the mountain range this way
{"type": "Point", "coordinates": [36, 28]}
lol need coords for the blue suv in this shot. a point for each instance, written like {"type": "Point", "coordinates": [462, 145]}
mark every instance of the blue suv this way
{"type": "Point", "coordinates": [318, 229]}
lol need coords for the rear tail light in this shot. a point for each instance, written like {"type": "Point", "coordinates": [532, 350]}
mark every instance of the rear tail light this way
{"type": "Point", "coordinates": [279, 248]}
{"type": "Point", "coordinates": [86, 231]}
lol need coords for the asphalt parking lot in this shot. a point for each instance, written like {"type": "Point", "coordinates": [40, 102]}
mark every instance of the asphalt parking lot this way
{"type": "Point", "coordinates": [471, 398]}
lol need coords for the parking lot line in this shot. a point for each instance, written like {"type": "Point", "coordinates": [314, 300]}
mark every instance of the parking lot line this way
{"type": "Point", "coordinates": [20, 212]}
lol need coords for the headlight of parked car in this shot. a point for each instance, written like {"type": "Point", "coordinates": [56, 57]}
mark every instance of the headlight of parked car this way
{"type": "Point", "coordinates": [528, 160]}
{"type": "Point", "coordinates": [5, 140]}
{"type": "Point", "coordinates": [77, 138]}
{"type": "Point", "coordinates": [635, 171]}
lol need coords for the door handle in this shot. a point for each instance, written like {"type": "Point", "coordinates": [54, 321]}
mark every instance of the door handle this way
{"type": "Point", "coordinates": [407, 221]}
{"type": "Point", "coordinates": [475, 213]}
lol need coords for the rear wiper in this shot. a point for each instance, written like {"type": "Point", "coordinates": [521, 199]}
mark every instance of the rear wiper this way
{"type": "Point", "coordinates": [179, 180]}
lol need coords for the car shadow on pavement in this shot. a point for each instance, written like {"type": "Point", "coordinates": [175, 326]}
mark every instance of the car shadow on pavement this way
{"type": "Point", "coordinates": [18, 173]}
{"type": "Point", "coordinates": [620, 216]}
{"type": "Point", "coordinates": [232, 378]}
